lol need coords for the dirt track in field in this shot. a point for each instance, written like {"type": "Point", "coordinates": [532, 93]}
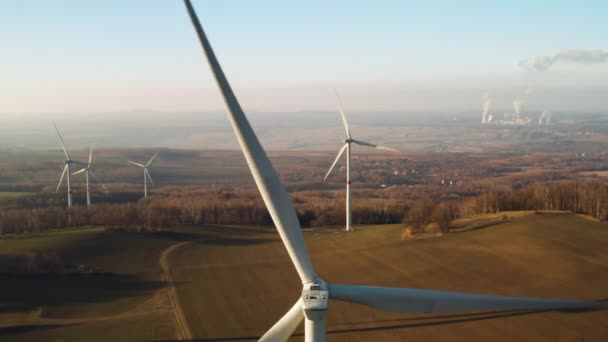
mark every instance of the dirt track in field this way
{"type": "Point", "coordinates": [183, 329]}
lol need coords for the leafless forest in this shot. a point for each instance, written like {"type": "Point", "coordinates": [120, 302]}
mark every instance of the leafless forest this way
{"type": "Point", "coordinates": [213, 187]}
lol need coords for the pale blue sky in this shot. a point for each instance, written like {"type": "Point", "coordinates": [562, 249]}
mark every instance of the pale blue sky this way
{"type": "Point", "coordinates": [114, 55]}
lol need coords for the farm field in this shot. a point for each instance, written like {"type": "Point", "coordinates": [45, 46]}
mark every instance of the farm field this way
{"type": "Point", "coordinates": [10, 194]}
{"type": "Point", "coordinates": [122, 295]}
{"type": "Point", "coordinates": [235, 285]}
{"type": "Point", "coordinates": [233, 282]}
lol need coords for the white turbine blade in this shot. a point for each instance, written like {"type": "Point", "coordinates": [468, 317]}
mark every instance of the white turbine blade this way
{"type": "Point", "coordinates": [79, 171]}
{"type": "Point", "coordinates": [275, 197]}
{"type": "Point", "coordinates": [149, 177]}
{"type": "Point", "coordinates": [105, 189]}
{"type": "Point", "coordinates": [425, 301]}
{"type": "Point", "coordinates": [65, 150]}
{"type": "Point", "coordinates": [65, 169]}
{"type": "Point", "coordinates": [344, 121]}
{"type": "Point", "coordinates": [336, 161]}
{"type": "Point", "coordinates": [151, 159]}
{"type": "Point", "coordinates": [283, 328]}
{"type": "Point", "coordinates": [387, 149]}
{"type": "Point", "coordinates": [91, 155]}
{"type": "Point", "coordinates": [138, 164]}
{"type": "Point", "coordinates": [363, 143]}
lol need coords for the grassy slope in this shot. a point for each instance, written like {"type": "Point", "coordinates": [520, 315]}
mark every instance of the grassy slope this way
{"type": "Point", "coordinates": [124, 304]}
{"type": "Point", "coordinates": [9, 197]}
{"type": "Point", "coordinates": [11, 194]}
{"type": "Point", "coordinates": [239, 283]}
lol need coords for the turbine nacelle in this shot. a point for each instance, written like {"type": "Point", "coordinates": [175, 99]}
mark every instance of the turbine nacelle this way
{"type": "Point", "coordinates": [315, 298]}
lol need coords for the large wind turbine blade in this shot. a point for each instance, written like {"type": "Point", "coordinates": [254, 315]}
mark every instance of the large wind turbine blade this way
{"type": "Point", "coordinates": [423, 301]}
{"type": "Point", "coordinates": [65, 169]}
{"type": "Point", "coordinates": [275, 197]}
{"type": "Point", "coordinates": [387, 149]}
{"type": "Point", "coordinates": [65, 150]}
{"type": "Point", "coordinates": [151, 159]}
{"type": "Point", "coordinates": [79, 171]}
{"type": "Point", "coordinates": [344, 121]}
{"type": "Point", "coordinates": [148, 175]}
{"type": "Point", "coordinates": [363, 143]}
{"type": "Point", "coordinates": [105, 189]}
{"type": "Point", "coordinates": [91, 155]}
{"type": "Point", "coordinates": [138, 164]}
{"type": "Point", "coordinates": [336, 161]}
{"type": "Point", "coordinates": [283, 328]}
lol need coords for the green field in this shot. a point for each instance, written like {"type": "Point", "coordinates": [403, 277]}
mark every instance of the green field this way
{"type": "Point", "coordinates": [12, 194]}
{"type": "Point", "coordinates": [236, 285]}
{"type": "Point", "coordinates": [7, 197]}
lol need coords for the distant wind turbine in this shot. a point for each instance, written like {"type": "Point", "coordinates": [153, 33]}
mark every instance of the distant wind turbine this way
{"type": "Point", "coordinates": [66, 169]}
{"type": "Point", "coordinates": [146, 173]}
{"type": "Point", "coordinates": [87, 171]}
{"type": "Point", "coordinates": [347, 148]}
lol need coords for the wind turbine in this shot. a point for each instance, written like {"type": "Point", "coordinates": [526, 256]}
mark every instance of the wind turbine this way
{"type": "Point", "coordinates": [146, 173]}
{"type": "Point", "coordinates": [87, 171]}
{"type": "Point", "coordinates": [349, 140]}
{"type": "Point", "coordinates": [66, 169]}
{"type": "Point", "coordinates": [316, 293]}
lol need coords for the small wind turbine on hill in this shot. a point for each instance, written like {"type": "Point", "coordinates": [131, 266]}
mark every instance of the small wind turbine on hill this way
{"type": "Point", "coordinates": [347, 147]}
{"type": "Point", "coordinates": [87, 171]}
{"type": "Point", "coordinates": [316, 293]}
{"type": "Point", "coordinates": [66, 169]}
{"type": "Point", "coordinates": [146, 173]}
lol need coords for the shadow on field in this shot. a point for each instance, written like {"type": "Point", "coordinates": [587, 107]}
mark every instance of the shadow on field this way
{"type": "Point", "coordinates": [409, 322]}
{"type": "Point", "coordinates": [28, 291]}
{"type": "Point", "coordinates": [483, 225]}
{"type": "Point", "coordinates": [21, 329]}
{"type": "Point", "coordinates": [422, 321]}
{"type": "Point", "coordinates": [226, 235]}
{"type": "Point", "coordinates": [233, 235]}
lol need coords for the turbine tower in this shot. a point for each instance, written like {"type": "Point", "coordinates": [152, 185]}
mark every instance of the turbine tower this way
{"type": "Point", "coordinates": [146, 173]}
{"type": "Point", "coordinates": [87, 171]}
{"type": "Point", "coordinates": [347, 147]}
{"type": "Point", "coordinates": [316, 293]}
{"type": "Point", "coordinates": [66, 169]}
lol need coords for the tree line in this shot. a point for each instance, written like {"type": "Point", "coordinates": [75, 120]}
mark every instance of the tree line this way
{"type": "Point", "coordinates": [246, 207]}
{"type": "Point", "coordinates": [587, 198]}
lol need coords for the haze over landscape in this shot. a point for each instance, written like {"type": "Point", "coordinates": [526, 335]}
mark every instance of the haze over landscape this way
{"type": "Point", "coordinates": [66, 58]}
{"type": "Point", "coordinates": [467, 199]}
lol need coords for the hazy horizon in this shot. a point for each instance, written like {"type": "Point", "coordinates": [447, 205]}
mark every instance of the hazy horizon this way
{"type": "Point", "coordinates": [91, 58]}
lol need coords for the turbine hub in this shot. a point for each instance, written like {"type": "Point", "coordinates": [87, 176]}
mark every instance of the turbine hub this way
{"type": "Point", "coordinates": [348, 141]}
{"type": "Point", "coordinates": [315, 296]}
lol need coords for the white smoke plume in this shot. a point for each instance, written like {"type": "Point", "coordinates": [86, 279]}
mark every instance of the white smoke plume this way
{"type": "Point", "coordinates": [543, 63]}
{"type": "Point", "coordinates": [542, 117]}
{"type": "Point", "coordinates": [545, 117]}
{"type": "Point", "coordinates": [487, 102]}
{"type": "Point", "coordinates": [517, 105]}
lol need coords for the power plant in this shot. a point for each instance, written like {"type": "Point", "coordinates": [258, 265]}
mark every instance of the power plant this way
{"type": "Point", "coordinates": [514, 118]}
